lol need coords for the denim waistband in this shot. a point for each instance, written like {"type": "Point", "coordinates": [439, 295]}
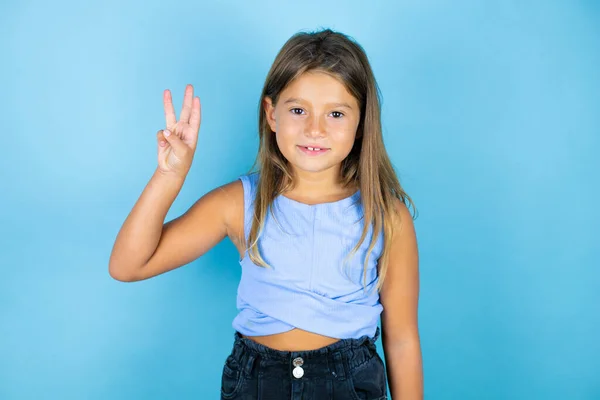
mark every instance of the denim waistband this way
{"type": "Point", "coordinates": [340, 345]}
{"type": "Point", "coordinates": [335, 359]}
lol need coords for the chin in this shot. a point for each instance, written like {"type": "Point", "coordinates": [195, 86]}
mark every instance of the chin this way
{"type": "Point", "coordinates": [313, 168]}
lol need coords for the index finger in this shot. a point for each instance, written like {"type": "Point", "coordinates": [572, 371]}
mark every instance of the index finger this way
{"type": "Point", "coordinates": [170, 117]}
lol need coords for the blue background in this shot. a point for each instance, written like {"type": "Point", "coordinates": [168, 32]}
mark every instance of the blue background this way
{"type": "Point", "coordinates": [491, 117]}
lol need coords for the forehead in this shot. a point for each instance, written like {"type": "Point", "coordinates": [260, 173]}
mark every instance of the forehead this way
{"type": "Point", "coordinates": [317, 87]}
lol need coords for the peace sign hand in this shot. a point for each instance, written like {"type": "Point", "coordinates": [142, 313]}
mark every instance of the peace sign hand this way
{"type": "Point", "coordinates": [177, 143]}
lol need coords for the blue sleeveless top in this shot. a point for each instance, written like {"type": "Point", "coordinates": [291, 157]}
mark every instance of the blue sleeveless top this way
{"type": "Point", "coordinates": [308, 285]}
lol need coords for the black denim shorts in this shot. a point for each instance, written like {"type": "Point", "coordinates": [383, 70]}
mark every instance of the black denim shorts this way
{"type": "Point", "coordinates": [350, 369]}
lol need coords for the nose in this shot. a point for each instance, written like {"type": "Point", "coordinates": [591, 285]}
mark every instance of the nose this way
{"type": "Point", "coordinates": [316, 127]}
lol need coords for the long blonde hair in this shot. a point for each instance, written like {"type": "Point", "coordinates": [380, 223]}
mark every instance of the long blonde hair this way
{"type": "Point", "coordinates": [367, 166]}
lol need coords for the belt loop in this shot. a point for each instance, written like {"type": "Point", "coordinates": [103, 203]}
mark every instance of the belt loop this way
{"type": "Point", "coordinates": [249, 365]}
{"type": "Point", "coordinates": [340, 371]}
{"type": "Point", "coordinates": [371, 341]}
{"type": "Point", "coordinates": [237, 351]}
{"type": "Point", "coordinates": [377, 331]}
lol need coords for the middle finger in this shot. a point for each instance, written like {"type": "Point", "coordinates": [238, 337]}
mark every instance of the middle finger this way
{"type": "Point", "coordinates": [186, 109]}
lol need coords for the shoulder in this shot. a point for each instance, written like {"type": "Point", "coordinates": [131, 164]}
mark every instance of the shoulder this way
{"type": "Point", "coordinates": [231, 191]}
{"type": "Point", "coordinates": [225, 202]}
{"type": "Point", "coordinates": [236, 196]}
{"type": "Point", "coordinates": [402, 221]}
{"type": "Point", "coordinates": [222, 200]}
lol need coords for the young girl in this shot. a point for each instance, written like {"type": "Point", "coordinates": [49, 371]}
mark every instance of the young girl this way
{"type": "Point", "coordinates": [326, 241]}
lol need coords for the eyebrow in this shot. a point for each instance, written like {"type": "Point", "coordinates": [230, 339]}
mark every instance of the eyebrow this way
{"type": "Point", "coordinates": [299, 100]}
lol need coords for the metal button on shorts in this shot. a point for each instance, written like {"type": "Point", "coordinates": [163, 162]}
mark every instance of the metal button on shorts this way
{"type": "Point", "coordinates": [298, 371]}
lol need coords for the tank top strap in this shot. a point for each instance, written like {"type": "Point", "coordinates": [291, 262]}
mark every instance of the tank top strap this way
{"type": "Point", "coordinates": [249, 182]}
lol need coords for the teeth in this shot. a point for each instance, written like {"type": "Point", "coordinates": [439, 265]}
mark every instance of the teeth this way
{"type": "Point", "coordinates": [313, 148]}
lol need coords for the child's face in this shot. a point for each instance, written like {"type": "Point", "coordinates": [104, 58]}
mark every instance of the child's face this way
{"type": "Point", "coordinates": [315, 110]}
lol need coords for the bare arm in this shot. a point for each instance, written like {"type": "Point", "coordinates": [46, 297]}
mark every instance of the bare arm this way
{"type": "Point", "coordinates": [399, 297]}
{"type": "Point", "coordinates": [138, 237]}
{"type": "Point", "coordinates": [145, 247]}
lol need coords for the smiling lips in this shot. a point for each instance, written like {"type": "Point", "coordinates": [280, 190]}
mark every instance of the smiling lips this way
{"type": "Point", "coordinates": [313, 151]}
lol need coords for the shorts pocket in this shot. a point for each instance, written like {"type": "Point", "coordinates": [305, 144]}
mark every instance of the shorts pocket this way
{"type": "Point", "coordinates": [231, 379]}
{"type": "Point", "coordinates": [368, 381]}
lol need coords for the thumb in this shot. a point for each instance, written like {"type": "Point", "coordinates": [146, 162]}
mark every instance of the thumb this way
{"type": "Point", "coordinates": [176, 143]}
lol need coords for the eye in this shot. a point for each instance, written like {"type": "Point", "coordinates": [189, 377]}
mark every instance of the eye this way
{"type": "Point", "coordinates": [337, 114]}
{"type": "Point", "coordinates": [297, 111]}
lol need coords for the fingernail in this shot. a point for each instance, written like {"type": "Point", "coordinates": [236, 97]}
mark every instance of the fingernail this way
{"type": "Point", "coordinates": [167, 133]}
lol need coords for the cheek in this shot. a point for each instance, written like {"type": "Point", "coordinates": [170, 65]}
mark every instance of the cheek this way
{"type": "Point", "coordinates": [287, 124]}
{"type": "Point", "coordinates": [288, 131]}
{"type": "Point", "coordinates": [286, 140]}
{"type": "Point", "coordinates": [344, 137]}
{"type": "Point", "coordinates": [284, 133]}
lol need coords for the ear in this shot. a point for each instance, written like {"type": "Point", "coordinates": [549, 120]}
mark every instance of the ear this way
{"type": "Point", "coordinates": [270, 112]}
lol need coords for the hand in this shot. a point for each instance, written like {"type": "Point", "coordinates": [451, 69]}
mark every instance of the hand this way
{"type": "Point", "coordinates": [177, 143]}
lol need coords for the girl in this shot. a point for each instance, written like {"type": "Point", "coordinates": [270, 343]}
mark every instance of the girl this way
{"type": "Point", "coordinates": [327, 244]}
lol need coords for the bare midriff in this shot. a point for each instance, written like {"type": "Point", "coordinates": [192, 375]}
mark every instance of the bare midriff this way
{"type": "Point", "coordinates": [294, 340]}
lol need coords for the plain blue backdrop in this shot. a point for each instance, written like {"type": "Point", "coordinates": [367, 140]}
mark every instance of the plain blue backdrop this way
{"type": "Point", "coordinates": [491, 118]}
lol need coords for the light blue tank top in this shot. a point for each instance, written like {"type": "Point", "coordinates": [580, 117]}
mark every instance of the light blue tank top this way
{"type": "Point", "coordinates": [308, 287]}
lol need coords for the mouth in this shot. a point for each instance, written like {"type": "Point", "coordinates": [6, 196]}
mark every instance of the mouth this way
{"type": "Point", "coordinates": [313, 151]}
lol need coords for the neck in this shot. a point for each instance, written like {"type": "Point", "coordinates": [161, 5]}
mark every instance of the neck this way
{"type": "Point", "coordinates": [315, 185]}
